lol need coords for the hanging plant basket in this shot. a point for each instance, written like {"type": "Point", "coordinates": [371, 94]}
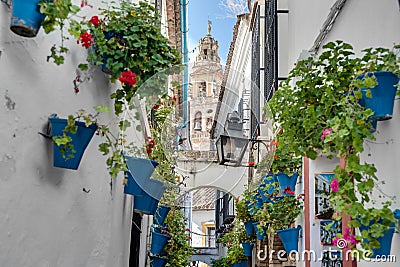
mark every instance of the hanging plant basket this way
{"type": "Point", "coordinates": [156, 261]}
{"type": "Point", "coordinates": [80, 141]}
{"type": "Point", "coordinates": [290, 238]}
{"type": "Point", "coordinates": [248, 226]}
{"type": "Point", "coordinates": [286, 181]}
{"type": "Point", "coordinates": [383, 94]}
{"type": "Point", "coordinates": [248, 248]}
{"type": "Point", "coordinates": [158, 242]}
{"type": "Point", "coordinates": [26, 18]}
{"type": "Point", "coordinates": [161, 214]}
{"type": "Point", "coordinates": [261, 234]}
{"type": "Point", "coordinates": [385, 242]}
{"type": "Point", "coordinates": [139, 172]}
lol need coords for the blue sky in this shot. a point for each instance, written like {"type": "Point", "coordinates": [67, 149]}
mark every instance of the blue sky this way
{"type": "Point", "coordinates": [222, 14]}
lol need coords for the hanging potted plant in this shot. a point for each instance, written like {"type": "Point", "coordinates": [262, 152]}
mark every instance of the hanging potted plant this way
{"type": "Point", "coordinates": [158, 261]}
{"type": "Point", "coordinates": [319, 112]}
{"type": "Point", "coordinates": [379, 81]}
{"type": "Point", "coordinates": [127, 40]}
{"type": "Point", "coordinates": [71, 137]}
{"type": "Point", "coordinates": [285, 167]}
{"type": "Point", "coordinates": [26, 18]}
{"type": "Point", "coordinates": [159, 238]}
{"type": "Point", "coordinates": [243, 213]}
{"type": "Point", "coordinates": [161, 214]}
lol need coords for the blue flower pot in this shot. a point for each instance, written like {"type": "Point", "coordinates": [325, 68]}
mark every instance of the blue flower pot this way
{"type": "Point", "coordinates": [26, 18]}
{"type": "Point", "coordinates": [385, 242]}
{"type": "Point", "coordinates": [156, 261]}
{"type": "Point", "coordinates": [248, 226]}
{"type": "Point", "coordinates": [287, 181]}
{"type": "Point", "coordinates": [240, 264]}
{"type": "Point", "coordinates": [145, 204]}
{"type": "Point", "coordinates": [248, 248]}
{"type": "Point", "coordinates": [260, 234]}
{"type": "Point", "coordinates": [161, 214]}
{"type": "Point", "coordinates": [397, 213]}
{"type": "Point", "coordinates": [383, 94]}
{"type": "Point", "coordinates": [251, 207]}
{"type": "Point", "coordinates": [80, 141]}
{"type": "Point", "coordinates": [158, 242]}
{"type": "Point", "coordinates": [138, 174]}
{"type": "Point", "coordinates": [268, 180]}
{"type": "Point", "coordinates": [290, 238]}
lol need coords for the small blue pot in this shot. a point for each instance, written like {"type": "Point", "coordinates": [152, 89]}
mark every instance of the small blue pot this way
{"type": "Point", "coordinates": [260, 234]}
{"type": "Point", "coordinates": [248, 248]}
{"type": "Point", "coordinates": [158, 242]}
{"type": "Point", "coordinates": [385, 242]}
{"type": "Point", "coordinates": [145, 204]}
{"type": "Point", "coordinates": [383, 94]}
{"type": "Point", "coordinates": [287, 181]}
{"type": "Point", "coordinates": [290, 238]}
{"type": "Point", "coordinates": [26, 18]}
{"type": "Point", "coordinates": [248, 226]}
{"type": "Point", "coordinates": [80, 141]}
{"type": "Point", "coordinates": [161, 214]}
{"type": "Point", "coordinates": [156, 261]}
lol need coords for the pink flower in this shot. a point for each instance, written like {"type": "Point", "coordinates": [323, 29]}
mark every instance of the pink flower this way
{"type": "Point", "coordinates": [334, 185]}
{"type": "Point", "coordinates": [128, 77]}
{"type": "Point", "coordinates": [336, 240]}
{"type": "Point", "coordinates": [325, 133]}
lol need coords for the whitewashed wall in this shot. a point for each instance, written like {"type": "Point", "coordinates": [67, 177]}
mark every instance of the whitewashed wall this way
{"type": "Point", "coordinates": [362, 23]}
{"type": "Point", "coordinates": [46, 217]}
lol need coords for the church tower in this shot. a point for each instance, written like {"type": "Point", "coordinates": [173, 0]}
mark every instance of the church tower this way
{"type": "Point", "coordinates": [205, 83]}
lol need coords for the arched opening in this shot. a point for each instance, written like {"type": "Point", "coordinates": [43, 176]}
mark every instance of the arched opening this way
{"type": "Point", "coordinates": [197, 121]}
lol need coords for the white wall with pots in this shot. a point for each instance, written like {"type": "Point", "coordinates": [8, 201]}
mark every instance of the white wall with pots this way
{"type": "Point", "coordinates": [52, 216]}
{"type": "Point", "coordinates": [362, 24]}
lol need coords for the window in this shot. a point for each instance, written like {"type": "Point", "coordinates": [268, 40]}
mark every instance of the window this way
{"type": "Point", "coordinates": [202, 89]}
{"type": "Point", "coordinates": [197, 121]}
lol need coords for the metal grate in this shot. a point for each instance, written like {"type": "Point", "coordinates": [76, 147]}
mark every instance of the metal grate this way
{"type": "Point", "coordinates": [255, 76]}
{"type": "Point", "coordinates": [271, 49]}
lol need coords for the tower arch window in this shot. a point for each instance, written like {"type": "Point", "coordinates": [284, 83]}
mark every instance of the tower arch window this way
{"type": "Point", "coordinates": [197, 121]}
{"type": "Point", "coordinates": [202, 89]}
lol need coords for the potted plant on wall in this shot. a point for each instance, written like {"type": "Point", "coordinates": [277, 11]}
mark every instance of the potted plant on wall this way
{"type": "Point", "coordinates": [286, 166]}
{"type": "Point", "coordinates": [243, 213]}
{"type": "Point", "coordinates": [71, 136]}
{"type": "Point", "coordinates": [378, 83]}
{"type": "Point", "coordinates": [127, 41]}
{"type": "Point", "coordinates": [318, 109]}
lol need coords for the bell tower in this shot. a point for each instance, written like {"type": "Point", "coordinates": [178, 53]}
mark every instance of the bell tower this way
{"type": "Point", "coordinates": [205, 82]}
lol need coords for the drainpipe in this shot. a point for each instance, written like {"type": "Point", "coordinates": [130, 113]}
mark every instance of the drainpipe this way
{"type": "Point", "coordinates": [185, 53]}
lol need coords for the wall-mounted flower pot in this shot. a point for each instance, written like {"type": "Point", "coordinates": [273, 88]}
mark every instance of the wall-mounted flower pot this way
{"type": "Point", "coordinates": [286, 181]}
{"type": "Point", "coordinates": [383, 94]}
{"type": "Point", "coordinates": [397, 213]}
{"type": "Point", "coordinates": [145, 204]}
{"type": "Point", "coordinates": [138, 174]}
{"type": "Point", "coordinates": [268, 180]}
{"type": "Point", "coordinates": [156, 261]}
{"type": "Point", "coordinates": [80, 141]}
{"type": "Point", "coordinates": [261, 233]}
{"type": "Point", "coordinates": [248, 226]}
{"type": "Point", "coordinates": [248, 248]}
{"type": "Point", "coordinates": [290, 238]}
{"type": "Point", "coordinates": [158, 242]}
{"type": "Point", "coordinates": [251, 207]}
{"type": "Point", "coordinates": [161, 214]}
{"type": "Point", "coordinates": [26, 18]}
{"type": "Point", "coordinates": [385, 242]}
{"type": "Point", "coordinates": [240, 264]}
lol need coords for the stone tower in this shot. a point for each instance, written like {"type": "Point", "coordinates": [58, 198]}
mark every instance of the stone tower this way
{"type": "Point", "coordinates": [205, 83]}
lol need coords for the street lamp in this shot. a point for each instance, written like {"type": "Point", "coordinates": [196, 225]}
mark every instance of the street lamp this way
{"type": "Point", "coordinates": [232, 145]}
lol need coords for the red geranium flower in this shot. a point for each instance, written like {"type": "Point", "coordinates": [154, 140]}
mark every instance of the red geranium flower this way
{"type": "Point", "coordinates": [86, 39]}
{"type": "Point", "coordinates": [288, 191]}
{"type": "Point", "coordinates": [95, 20]}
{"type": "Point", "coordinates": [251, 164]}
{"type": "Point", "coordinates": [128, 77]}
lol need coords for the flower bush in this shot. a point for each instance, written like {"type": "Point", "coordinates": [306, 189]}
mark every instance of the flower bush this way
{"type": "Point", "coordinates": [318, 111]}
{"type": "Point", "coordinates": [128, 43]}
